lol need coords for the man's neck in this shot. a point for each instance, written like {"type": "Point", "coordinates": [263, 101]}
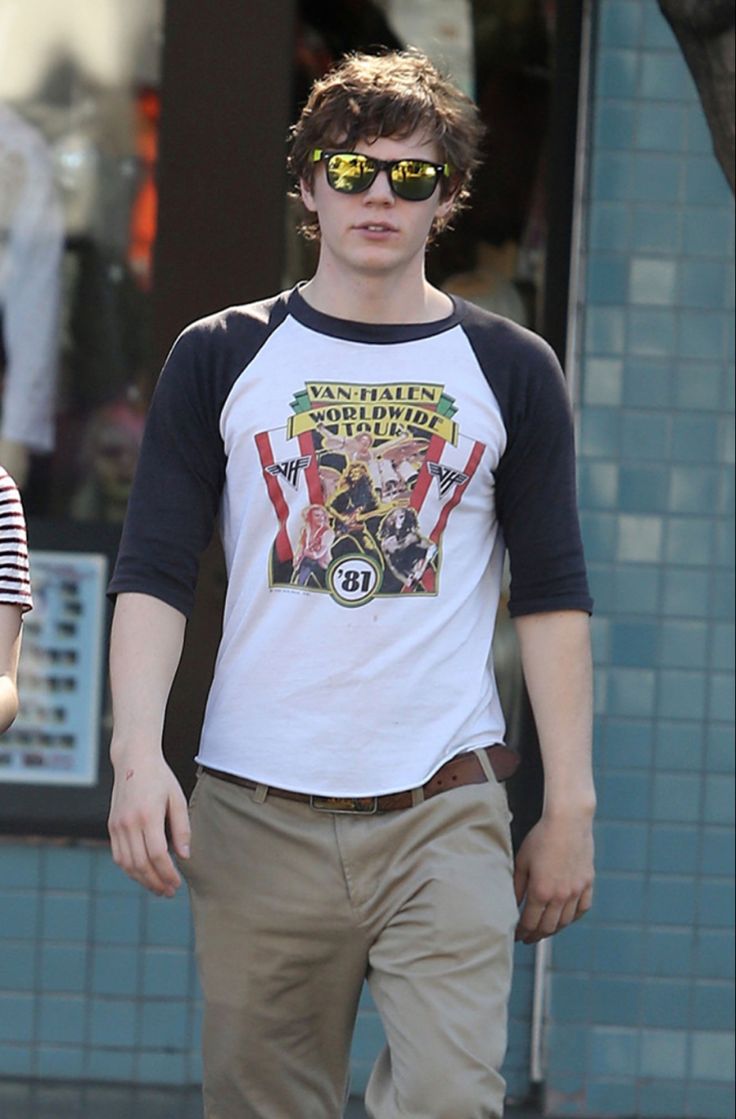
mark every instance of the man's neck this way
{"type": "Point", "coordinates": [374, 300]}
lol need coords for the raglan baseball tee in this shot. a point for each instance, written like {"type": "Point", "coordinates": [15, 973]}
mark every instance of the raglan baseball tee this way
{"type": "Point", "coordinates": [366, 479]}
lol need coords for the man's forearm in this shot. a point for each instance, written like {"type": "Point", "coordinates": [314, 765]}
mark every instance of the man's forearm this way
{"type": "Point", "coordinates": [557, 664]}
{"type": "Point", "coordinates": [145, 648]}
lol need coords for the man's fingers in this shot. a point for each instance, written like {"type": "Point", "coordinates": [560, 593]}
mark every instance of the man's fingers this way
{"type": "Point", "coordinates": [179, 824]}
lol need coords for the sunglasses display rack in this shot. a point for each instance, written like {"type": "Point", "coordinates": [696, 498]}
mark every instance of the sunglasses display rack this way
{"type": "Point", "coordinates": [55, 738]}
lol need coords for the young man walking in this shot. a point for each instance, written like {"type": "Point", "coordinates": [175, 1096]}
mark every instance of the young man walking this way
{"type": "Point", "coordinates": [369, 446]}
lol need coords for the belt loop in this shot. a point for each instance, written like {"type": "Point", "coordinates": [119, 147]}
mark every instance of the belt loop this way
{"type": "Point", "coordinates": [260, 793]}
{"type": "Point", "coordinates": [417, 796]}
{"type": "Point", "coordinates": [485, 765]}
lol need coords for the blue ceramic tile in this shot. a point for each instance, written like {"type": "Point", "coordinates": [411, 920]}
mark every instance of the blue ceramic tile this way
{"type": "Point", "coordinates": [609, 227]}
{"type": "Point", "coordinates": [664, 77]}
{"type": "Point", "coordinates": [722, 595]}
{"type": "Point", "coordinates": [160, 1067]}
{"type": "Point", "coordinates": [164, 1024]}
{"type": "Point", "coordinates": [601, 588]}
{"type": "Point", "coordinates": [660, 1100]}
{"type": "Point", "coordinates": [713, 1056]}
{"type": "Point", "coordinates": [685, 591]}
{"type": "Point", "coordinates": [600, 433]}
{"type": "Point", "coordinates": [614, 1002]}
{"type": "Point", "coordinates": [610, 1098]}
{"type": "Point", "coordinates": [59, 1062]}
{"type": "Point", "coordinates": [631, 692]}
{"type": "Point", "coordinates": [63, 968]}
{"type": "Point", "coordinates": [17, 966]}
{"type": "Point", "coordinates": [20, 915]}
{"type": "Point", "coordinates": [615, 124]}
{"type": "Point", "coordinates": [574, 949]}
{"type": "Point", "coordinates": [703, 283]}
{"type": "Point", "coordinates": [652, 281]}
{"type": "Point", "coordinates": [726, 492]}
{"type": "Point", "coordinates": [656, 32]}
{"type": "Point", "coordinates": [165, 972]}
{"type": "Point", "coordinates": [639, 539]}
{"type": "Point", "coordinates": [643, 488]}
{"type": "Point", "coordinates": [714, 957]}
{"type": "Point", "coordinates": [599, 534]}
{"type": "Point", "coordinates": [672, 900]}
{"type": "Point", "coordinates": [682, 695]}
{"type": "Point", "coordinates": [620, 23]}
{"type": "Point", "coordinates": [115, 970]}
{"type": "Point", "coordinates": [717, 851]}
{"type": "Point", "coordinates": [669, 952]}
{"type": "Point", "coordinates": [566, 1044]}
{"type": "Point", "coordinates": [629, 742]}
{"type": "Point", "coordinates": [616, 75]}
{"type": "Point", "coordinates": [20, 867]}
{"type": "Point", "coordinates": [706, 231]}
{"type": "Point", "coordinates": [16, 1017]}
{"type": "Point", "coordinates": [666, 1002]}
{"type": "Point", "coordinates": [569, 995]}
{"type": "Point", "coordinates": [616, 951]}
{"type": "Point", "coordinates": [117, 919]}
{"type": "Point", "coordinates": [720, 750]}
{"type": "Point", "coordinates": [605, 330]}
{"type": "Point", "coordinates": [67, 868]}
{"type": "Point", "coordinates": [637, 589]}
{"type": "Point", "coordinates": [168, 921]}
{"type": "Point", "coordinates": [679, 745]}
{"type": "Point", "coordinates": [612, 176]}
{"type": "Point", "coordinates": [673, 849]}
{"type": "Point", "coordinates": [698, 386]}
{"type": "Point", "coordinates": [727, 450]}
{"type": "Point", "coordinates": [607, 281]}
{"type": "Point", "coordinates": [634, 643]}
{"type": "Point", "coordinates": [620, 898]}
{"type": "Point", "coordinates": [683, 644]}
{"type": "Point", "coordinates": [664, 1054]}
{"type": "Point", "coordinates": [716, 902]}
{"type": "Point", "coordinates": [61, 1019]}
{"type": "Point", "coordinates": [647, 383]}
{"type": "Point", "coordinates": [693, 489]}
{"type": "Point", "coordinates": [110, 879]}
{"type": "Point", "coordinates": [705, 183]}
{"type": "Point", "coordinates": [725, 549]}
{"type": "Point", "coordinates": [113, 1022]}
{"type": "Point", "coordinates": [713, 1006]}
{"type": "Point", "coordinates": [624, 796]}
{"type": "Point", "coordinates": [65, 916]}
{"type": "Point", "coordinates": [655, 178]}
{"type": "Point", "coordinates": [652, 333]}
{"type": "Point", "coordinates": [721, 702]}
{"type": "Point", "coordinates": [656, 229]}
{"type": "Point", "coordinates": [701, 334]}
{"type": "Point", "coordinates": [723, 641]}
{"type": "Point", "coordinates": [661, 127]}
{"type": "Point", "coordinates": [613, 1052]}
{"type": "Point", "coordinates": [111, 1065]}
{"type": "Point", "coordinates": [676, 797]}
{"type": "Point", "coordinates": [15, 1060]}
{"type": "Point", "coordinates": [689, 541]}
{"type": "Point", "coordinates": [699, 139]}
{"type": "Point", "coordinates": [711, 1101]}
{"type": "Point", "coordinates": [645, 435]}
{"type": "Point", "coordinates": [695, 438]}
{"type": "Point", "coordinates": [598, 485]}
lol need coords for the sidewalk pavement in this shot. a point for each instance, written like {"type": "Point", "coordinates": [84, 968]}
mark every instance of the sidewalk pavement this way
{"type": "Point", "coordinates": [39, 1099]}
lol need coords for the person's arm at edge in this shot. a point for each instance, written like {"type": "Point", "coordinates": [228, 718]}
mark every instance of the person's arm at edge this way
{"type": "Point", "coordinates": [145, 648]}
{"type": "Point", "coordinates": [554, 866]}
{"type": "Point", "coordinates": [10, 637]}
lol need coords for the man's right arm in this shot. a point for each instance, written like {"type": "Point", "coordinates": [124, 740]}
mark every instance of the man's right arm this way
{"type": "Point", "coordinates": [145, 647]}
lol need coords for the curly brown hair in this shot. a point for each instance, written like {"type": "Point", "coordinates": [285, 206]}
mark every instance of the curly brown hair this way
{"type": "Point", "coordinates": [392, 94]}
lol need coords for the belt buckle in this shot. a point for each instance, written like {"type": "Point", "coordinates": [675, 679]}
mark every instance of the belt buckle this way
{"type": "Point", "coordinates": [345, 806]}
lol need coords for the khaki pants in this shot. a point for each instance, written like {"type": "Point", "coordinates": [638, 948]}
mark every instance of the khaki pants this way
{"type": "Point", "coordinates": [294, 908]}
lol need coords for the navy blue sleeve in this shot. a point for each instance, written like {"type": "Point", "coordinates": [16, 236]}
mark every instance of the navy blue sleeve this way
{"type": "Point", "coordinates": [175, 498]}
{"type": "Point", "coordinates": [536, 499]}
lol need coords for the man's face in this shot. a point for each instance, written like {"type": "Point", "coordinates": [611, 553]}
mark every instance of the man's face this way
{"type": "Point", "coordinates": [375, 233]}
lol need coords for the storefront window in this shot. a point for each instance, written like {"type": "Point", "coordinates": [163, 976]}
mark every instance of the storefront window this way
{"type": "Point", "coordinates": [79, 111]}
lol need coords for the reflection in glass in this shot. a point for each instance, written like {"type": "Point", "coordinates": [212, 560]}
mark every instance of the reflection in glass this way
{"type": "Point", "coordinates": [79, 113]}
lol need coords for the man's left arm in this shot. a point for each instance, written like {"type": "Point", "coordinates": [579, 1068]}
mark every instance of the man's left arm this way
{"type": "Point", "coordinates": [554, 866]}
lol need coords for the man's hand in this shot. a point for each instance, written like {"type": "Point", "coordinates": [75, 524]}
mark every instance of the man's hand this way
{"type": "Point", "coordinates": [146, 797]}
{"type": "Point", "coordinates": [554, 875]}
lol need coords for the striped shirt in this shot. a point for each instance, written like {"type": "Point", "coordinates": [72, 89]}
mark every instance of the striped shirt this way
{"type": "Point", "coordinates": [15, 582]}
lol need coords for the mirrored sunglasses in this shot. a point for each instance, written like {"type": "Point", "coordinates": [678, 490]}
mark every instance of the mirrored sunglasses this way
{"type": "Point", "coordinates": [414, 180]}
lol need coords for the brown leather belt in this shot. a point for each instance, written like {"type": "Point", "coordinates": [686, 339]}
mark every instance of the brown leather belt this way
{"type": "Point", "coordinates": [463, 769]}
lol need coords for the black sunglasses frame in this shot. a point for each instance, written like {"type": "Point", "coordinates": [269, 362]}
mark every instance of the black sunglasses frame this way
{"type": "Point", "coordinates": [387, 165]}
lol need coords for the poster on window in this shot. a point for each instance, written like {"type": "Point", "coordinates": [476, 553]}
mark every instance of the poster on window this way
{"type": "Point", "coordinates": [55, 738]}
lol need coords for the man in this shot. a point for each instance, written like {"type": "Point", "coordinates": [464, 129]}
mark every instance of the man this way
{"type": "Point", "coordinates": [349, 821]}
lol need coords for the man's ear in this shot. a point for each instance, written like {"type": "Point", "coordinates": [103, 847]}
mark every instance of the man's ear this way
{"type": "Point", "coordinates": [307, 196]}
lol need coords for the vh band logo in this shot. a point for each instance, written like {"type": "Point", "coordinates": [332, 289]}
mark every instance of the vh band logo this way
{"type": "Point", "coordinates": [363, 479]}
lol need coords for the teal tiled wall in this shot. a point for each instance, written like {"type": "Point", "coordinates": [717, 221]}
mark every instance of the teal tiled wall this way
{"type": "Point", "coordinates": [641, 1004]}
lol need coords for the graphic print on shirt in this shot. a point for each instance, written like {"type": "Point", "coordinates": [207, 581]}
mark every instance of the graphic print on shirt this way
{"type": "Point", "coordinates": [363, 479]}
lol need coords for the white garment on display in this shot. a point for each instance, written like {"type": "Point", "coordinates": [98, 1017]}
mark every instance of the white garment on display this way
{"type": "Point", "coordinates": [31, 246]}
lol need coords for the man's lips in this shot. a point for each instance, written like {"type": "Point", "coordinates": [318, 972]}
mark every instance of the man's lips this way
{"type": "Point", "coordinates": [376, 227]}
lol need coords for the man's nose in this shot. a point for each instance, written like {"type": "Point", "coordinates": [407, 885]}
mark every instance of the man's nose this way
{"type": "Point", "coordinates": [380, 189]}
